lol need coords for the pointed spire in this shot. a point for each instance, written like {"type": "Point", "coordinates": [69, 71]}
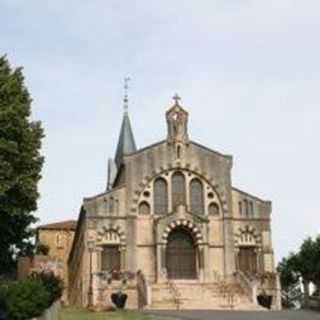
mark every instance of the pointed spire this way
{"type": "Point", "coordinates": [126, 142]}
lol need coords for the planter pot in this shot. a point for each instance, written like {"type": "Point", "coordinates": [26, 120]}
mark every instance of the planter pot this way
{"type": "Point", "coordinates": [119, 299]}
{"type": "Point", "coordinates": [265, 300]}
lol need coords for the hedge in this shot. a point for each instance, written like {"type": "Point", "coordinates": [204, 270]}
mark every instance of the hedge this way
{"type": "Point", "coordinates": [29, 298]}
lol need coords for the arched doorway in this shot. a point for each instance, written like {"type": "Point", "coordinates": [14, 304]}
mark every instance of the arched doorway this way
{"type": "Point", "coordinates": [181, 255]}
{"type": "Point", "coordinates": [248, 260]}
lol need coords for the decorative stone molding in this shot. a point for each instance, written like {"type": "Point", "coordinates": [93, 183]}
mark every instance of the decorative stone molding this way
{"type": "Point", "coordinates": [111, 235]}
{"type": "Point", "coordinates": [185, 224]}
{"type": "Point", "coordinates": [247, 236]}
{"type": "Point", "coordinates": [163, 172]}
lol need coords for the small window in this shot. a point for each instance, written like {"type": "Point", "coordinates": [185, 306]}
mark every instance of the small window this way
{"type": "Point", "coordinates": [178, 152]}
{"type": "Point", "coordinates": [251, 209]}
{"type": "Point", "coordinates": [111, 205]}
{"type": "Point", "coordinates": [213, 209]}
{"type": "Point", "coordinates": [210, 195]}
{"type": "Point", "coordinates": [240, 208]}
{"type": "Point", "coordinates": [246, 207]}
{"type": "Point", "coordinates": [144, 208]}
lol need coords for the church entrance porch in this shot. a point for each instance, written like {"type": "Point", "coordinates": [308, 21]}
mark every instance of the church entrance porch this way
{"type": "Point", "coordinates": [181, 255]}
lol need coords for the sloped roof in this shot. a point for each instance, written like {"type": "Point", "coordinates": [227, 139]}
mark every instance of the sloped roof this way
{"type": "Point", "coordinates": [61, 225]}
{"type": "Point", "coordinates": [126, 143]}
{"type": "Point", "coordinates": [249, 194]}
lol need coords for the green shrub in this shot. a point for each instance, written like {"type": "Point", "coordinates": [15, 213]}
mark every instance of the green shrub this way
{"type": "Point", "coordinates": [27, 299]}
{"type": "Point", "coordinates": [52, 283]}
{"type": "Point", "coordinates": [3, 298]}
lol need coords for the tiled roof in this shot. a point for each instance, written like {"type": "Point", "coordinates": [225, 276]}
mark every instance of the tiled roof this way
{"type": "Point", "coordinates": [61, 225]}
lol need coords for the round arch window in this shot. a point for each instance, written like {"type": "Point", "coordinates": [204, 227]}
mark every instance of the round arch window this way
{"type": "Point", "coordinates": [213, 209]}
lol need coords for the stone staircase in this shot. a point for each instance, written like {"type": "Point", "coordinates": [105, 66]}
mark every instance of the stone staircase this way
{"type": "Point", "coordinates": [186, 295]}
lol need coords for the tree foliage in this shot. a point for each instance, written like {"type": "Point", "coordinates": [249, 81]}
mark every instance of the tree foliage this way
{"type": "Point", "coordinates": [26, 299]}
{"type": "Point", "coordinates": [288, 272]}
{"type": "Point", "coordinates": [20, 165]}
{"type": "Point", "coordinates": [303, 265]}
{"type": "Point", "coordinates": [52, 283]}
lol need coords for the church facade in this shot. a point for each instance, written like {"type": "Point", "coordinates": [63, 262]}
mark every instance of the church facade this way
{"type": "Point", "coordinates": [171, 231]}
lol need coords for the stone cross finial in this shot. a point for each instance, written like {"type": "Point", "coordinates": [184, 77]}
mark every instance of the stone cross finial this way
{"type": "Point", "coordinates": [176, 99]}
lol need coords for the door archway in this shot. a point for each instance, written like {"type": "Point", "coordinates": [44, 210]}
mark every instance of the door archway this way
{"type": "Point", "coordinates": [181, 255]}
{"type": "Point", "coordinates": [247, 260]}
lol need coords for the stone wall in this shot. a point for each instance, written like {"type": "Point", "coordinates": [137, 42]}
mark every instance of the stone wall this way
{"type": "Point", "coordinates": [60, 243]}
{"type": "Point", "coordinates": [76, 262]}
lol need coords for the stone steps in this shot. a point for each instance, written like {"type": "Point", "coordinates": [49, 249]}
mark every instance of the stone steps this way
{"type": "Point", "coordinates": [199, 296]}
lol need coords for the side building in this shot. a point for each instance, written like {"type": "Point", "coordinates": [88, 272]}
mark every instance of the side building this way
{"type": "Point", "coordinates": [58, 237]}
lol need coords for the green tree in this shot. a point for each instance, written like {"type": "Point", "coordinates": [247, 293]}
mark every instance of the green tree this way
{"type": "Point", "coordinates": [20, 165]}
{"type": "Point", "coordinates": [304, 265]}
{"type": "Point", "coordinates": [289, 276]}
{"type": "Point", "coordinates": [309, 256]}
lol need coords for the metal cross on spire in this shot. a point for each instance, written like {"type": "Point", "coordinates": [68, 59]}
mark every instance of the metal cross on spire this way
{"type": "Point", "coordinates": [176, 99]}
{"type": "Point", "coordinates": [125, 99]}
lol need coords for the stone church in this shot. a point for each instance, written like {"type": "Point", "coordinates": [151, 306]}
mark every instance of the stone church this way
{"type": "Point", "coordinates": [171, 231]}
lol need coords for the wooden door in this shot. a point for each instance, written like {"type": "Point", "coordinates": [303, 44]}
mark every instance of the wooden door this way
{"type": "Point", "coordinates": [248, 260]}
{"type": "Point", "coordinates": [181, 255]}
{"type": "Point", "coordinates": [110, 258]}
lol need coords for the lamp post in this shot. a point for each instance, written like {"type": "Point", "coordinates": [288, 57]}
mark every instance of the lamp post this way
{"type": "Point", "coordinates": [90, 246]}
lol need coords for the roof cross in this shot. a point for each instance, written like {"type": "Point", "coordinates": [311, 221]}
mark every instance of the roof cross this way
{"type": "Point", "coordinates": [176, 99]}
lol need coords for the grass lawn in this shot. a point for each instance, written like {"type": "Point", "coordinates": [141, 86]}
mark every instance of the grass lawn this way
{"type": "Point", "coordinates": [73, 313]}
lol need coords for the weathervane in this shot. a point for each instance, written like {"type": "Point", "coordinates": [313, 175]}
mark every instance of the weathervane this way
{"type": "Point", "coordinates": [125, 99]}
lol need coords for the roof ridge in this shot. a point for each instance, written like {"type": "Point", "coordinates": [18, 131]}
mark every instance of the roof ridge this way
{"type": "Point", "coordinates": [65, 224]}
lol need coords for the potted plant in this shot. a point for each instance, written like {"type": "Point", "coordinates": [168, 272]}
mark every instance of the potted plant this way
{"type": "Point", "coordinates": [119, 299]}
{"type": "Point", "coordinates": [265, 300]}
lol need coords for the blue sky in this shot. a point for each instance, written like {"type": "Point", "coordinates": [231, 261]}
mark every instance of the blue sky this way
{"type": "Point", "coordinates": [247, 71]}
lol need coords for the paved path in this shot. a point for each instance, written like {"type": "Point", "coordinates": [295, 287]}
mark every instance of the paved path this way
{"type": "Point", "coordinates": [236, 315]}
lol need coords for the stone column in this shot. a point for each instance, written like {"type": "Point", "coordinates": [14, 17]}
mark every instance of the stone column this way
{"type": "Point", "coordinates": [123, 265]}
{"type": "Point", "coordinates": [229, 258]}
{"type": "Point", "coordinates": [278, 293]}
{"type": "Point", "coordinates": [188, 200]}
{"type": "Point", "coordinates": [260, 267]}
{"type": "Point", "coordinates": [236, 258]}
{"type": "Point", "coordinates": [161, 263]}
{"type": "Point", "coordinates": [202, 253]}
{"type": "Point", "coordinates": [99, 254]}
{"type": "Point", "coordinates": [170, 209]}
{"type": "Point", "coordinates": [95, 280]}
